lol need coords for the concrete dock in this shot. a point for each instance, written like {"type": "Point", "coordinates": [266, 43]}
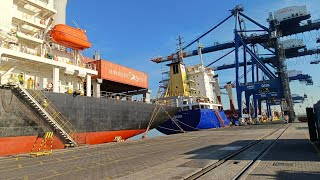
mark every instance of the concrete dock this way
{"type": "Point", "coordinates": [269, 151]}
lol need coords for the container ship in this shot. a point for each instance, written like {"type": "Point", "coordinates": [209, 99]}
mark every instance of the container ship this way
{"type": "Point", "coordinates": [191, 89]}
{"type": "Point", "coordinates": [48, 86]}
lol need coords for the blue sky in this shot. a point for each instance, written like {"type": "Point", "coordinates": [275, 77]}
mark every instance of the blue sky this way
{"type": "Point", "coordinates": [132, 32]}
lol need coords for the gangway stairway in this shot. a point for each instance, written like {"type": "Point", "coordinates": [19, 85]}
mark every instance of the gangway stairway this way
{"type": "Point", "coordinates": [51, 116]}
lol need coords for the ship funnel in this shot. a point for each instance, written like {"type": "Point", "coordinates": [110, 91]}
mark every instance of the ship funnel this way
{"type": "Point", "coordinates": [60, 7]}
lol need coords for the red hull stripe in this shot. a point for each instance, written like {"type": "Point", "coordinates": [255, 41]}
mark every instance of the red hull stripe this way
{"type": "Point", "coordinates": [23, 144]}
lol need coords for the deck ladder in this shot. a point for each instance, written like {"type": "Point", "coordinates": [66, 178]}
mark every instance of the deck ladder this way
{"type": "Point", "coordinates": [62, 128]}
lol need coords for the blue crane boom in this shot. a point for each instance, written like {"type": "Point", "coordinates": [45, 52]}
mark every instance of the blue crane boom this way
{"type": "Point", "coordinates": [261, 38]}
{"type": "Point", "coordinates": [302, 78]}
{"type": "Point", "coordinates": [218, 47]}
{"type": "Point", "coordinates": [270, 59]}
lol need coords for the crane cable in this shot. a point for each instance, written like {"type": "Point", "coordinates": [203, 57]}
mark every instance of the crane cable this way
{"type": "Point", "coordinates": [243, 75]}
{"type": "Point", "coordinates": [220, 58]}
{"type": "Point", "coordinates": [207, 32]}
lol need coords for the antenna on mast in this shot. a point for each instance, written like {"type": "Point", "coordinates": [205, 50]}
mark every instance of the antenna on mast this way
{"type": "Point", "coordinates": [200, 47]}
{"type": "Point", "coordinates": [75, 24]}
{"type": "Point", "coordinates": [180, 53]}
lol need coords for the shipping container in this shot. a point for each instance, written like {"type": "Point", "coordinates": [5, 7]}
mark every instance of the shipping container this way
{"type": "Point", "coordinates": [121, 74]}
{"type": "Point", "coordinates": [292, 73]}
{"type": "Point", "coordinates": [290, 13]}
{"type": "Point", "coordinates": [292, 44]}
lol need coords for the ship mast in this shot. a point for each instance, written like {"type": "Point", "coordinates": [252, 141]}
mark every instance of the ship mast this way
{"type": "Point", "coordinates": [180, 53]}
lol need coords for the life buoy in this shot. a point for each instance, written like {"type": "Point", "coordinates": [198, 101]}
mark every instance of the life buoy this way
{"type": "Point", "coordinates": [50, 86]}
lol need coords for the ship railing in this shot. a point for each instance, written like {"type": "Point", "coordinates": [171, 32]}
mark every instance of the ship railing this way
{"type": "Point", "coordinates": [117, 96]}
{"type": "Point", "coordinates": [90, 66]}
{"type": "Point", "coordinates": [43, 3]}
{"type": "Point", "coordinates": [53, 111]}
{"type": "Point", "coordinates": [11, 42]}
{"type": "Point", "coordinates": [84, 64]}
{"type": "Point", "coordinates": [167, 102]}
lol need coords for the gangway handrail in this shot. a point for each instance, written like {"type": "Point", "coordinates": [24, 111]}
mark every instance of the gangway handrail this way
{"type": "Point", "coordinates": [48, 115]}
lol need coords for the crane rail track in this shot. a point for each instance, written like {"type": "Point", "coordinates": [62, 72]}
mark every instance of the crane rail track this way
{"type": "Point", "coordinates": [247, 168]}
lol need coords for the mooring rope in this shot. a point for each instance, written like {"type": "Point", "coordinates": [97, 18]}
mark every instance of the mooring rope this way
{"type": "Point", "coordinates": [169, 129]}
{"type": "Point", "coordinates": [173, 119]}
{"type": "Point", "coordinates": [153, 117]}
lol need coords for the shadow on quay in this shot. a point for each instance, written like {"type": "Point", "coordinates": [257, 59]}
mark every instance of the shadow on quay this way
{"type": "Point", "coordinates": [282, 150]}
{"type": "Point", "coordinates": [289, 175]}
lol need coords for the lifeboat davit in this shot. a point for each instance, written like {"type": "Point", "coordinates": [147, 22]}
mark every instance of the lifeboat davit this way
{"type": "Point", "coordinates": [71, 37]}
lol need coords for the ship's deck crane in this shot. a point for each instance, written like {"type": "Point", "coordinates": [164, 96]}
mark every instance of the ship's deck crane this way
{"type": "Point", "coordinates": [273, 84]}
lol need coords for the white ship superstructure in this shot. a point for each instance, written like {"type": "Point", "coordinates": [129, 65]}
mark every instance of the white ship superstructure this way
{"type": "Point", "coordinates": [26, 49]}
{"type": "Point", "coordinates": [200, 81]}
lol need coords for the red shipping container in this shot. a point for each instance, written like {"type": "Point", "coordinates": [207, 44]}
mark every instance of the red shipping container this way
{"type": "Point", "coordinates": [117, 73]}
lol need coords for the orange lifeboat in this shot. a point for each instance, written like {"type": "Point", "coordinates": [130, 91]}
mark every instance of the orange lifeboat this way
{"type": "Point", "coordinates": [71, 37]}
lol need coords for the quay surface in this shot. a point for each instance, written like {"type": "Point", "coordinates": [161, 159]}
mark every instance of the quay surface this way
{"type": "Point", "coordinates": [268, 151]}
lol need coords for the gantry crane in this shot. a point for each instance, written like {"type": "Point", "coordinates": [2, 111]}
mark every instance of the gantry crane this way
{"type": "Point", "coordinates": [269, 80]}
